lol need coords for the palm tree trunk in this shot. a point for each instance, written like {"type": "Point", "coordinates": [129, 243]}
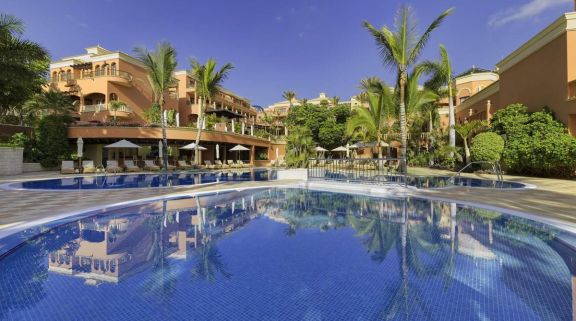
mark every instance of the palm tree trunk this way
{"type": "Point", "coordinates": [430, 139]}
{"type": "Point", "coordinates": [451, 120]}
{"type": "Point", "coordinates": [199, 131]}
{"type": "Point", "coordinates": [164, 139]}
{"type": "Point", "coordinates": [466, 151]}
{"type": "Point", "coordinates": [403, 138]}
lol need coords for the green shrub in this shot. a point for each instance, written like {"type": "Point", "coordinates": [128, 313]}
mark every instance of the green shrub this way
{"type": "Point", "coordinates": [487, 147]}
{"type": "Point", "coordinates": [52, 140]}
{"type": "Point", "coordinates": [536, 143]}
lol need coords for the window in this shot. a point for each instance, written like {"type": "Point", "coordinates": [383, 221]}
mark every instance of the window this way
{"type": "Point", "coordinates": [97, 71]}
{"type": "Point", "coordinates": [113, 97]}
{"type": "Point", "coordinates": [54, 76]}
{"type": "Point", "coordinates": [68, 74]}
{"type": "Point", "coordinates": [572, 90]}
{"type": "Point", "coordinates": [113, 69]}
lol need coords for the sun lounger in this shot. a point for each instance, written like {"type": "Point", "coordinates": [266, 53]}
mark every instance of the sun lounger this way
{"type": "Point", "coordinates": [88, 167]}
{"type": "Point", "coordinates": [208, 164]}
{"type": "Point", "coordinates": [131, 167]}
{"type": "Point", "coordinates": [232, 164]}
{"type": "Point", "coordinates": [112, 167]}
{"type": "Point", "coordinates": [67, 167]}
{"type": "Point", "coordinates": [242, 164]}
{"type": "Point", "coordinates": [182, 165]}
{"type": "Point", "coordinates": [220, 164]}
{"type": "Point", "coordinates": [150, 166]}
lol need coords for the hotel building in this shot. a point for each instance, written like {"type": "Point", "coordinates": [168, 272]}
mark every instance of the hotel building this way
{"type": "Point", "coordinates": [100, 76]}
{"type": "Point", "coordinates": [541, 73]}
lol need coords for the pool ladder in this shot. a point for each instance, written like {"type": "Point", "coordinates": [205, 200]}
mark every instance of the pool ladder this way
{"type": "Point", "coordinates": [495, 167]}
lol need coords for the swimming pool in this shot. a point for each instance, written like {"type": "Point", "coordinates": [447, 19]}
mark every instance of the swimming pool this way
{"type": "Point", "coordinates": [112, 181]}
{"type": "Point", "coordinates": [291, 254]}
{"type": "Point", "coordinates": [422, 181]}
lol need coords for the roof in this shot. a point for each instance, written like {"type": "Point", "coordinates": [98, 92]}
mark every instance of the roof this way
{"type": "Point", "coordinates": [473, 70]}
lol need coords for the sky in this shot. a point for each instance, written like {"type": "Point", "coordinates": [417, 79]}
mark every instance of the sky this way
{"type": "Point", "coordinates": [308, 46]}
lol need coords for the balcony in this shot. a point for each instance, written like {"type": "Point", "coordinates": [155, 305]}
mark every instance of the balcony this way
{"type": "Point", "coordinates": [122, 112]}
{"type": "Point", "coordinates": [116, 76]}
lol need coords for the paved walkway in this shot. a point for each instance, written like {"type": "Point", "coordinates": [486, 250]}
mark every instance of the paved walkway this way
{"type": "Point", "coordinates": [553, 198]}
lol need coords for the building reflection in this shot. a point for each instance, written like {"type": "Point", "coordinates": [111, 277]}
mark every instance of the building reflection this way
{"type": "Point", "coordinates": [113, 247]}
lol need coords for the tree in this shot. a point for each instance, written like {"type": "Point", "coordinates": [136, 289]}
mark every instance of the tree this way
{"type": "Point", "coordinates": [335, 101]}
{"type": "Point", "coordinates": [303, 101]}
{"type": "Point", "coordinates": [114, 105]}
{"type": "Point", "coordinates": [160, 65]}
{"type": "Point", "coordinates": [487, 147]}
{"type": "Point", "coordinates": [535, 143]}
{"type": "Point", "coordinates": [442, 78]}
{"type": "Point", "coordinates": [52, 140]}
{"type": "Point", "coordinates": [208, 83]}
{"type": "Point", "coordinates": [400, 49]}
{"type": "Point", "coordinates": [467, 130]}
{"type": "Point", "coordinates": [300, 146]}
{"type": "Point", "coordinates": [290, 96]}
{"type": "Point", "coordinates": [23, 64]}
{"type": "Point", "coordinates": [375, 118]}
{"type": "Point", "coordinates": [52, 102]}
{"type": "Point", "coordinates": [331, 134]}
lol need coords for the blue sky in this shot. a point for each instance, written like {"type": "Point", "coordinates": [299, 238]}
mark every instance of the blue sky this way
{"type": "Point", "coordinates": [307, 46]}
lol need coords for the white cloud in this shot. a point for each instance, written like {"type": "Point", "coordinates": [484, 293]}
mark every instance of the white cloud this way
{"type": "Point", "coordinates": [525, 11]}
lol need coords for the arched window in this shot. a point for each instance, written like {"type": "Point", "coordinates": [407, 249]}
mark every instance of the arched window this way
{"type": "Point", "coordinates": [97, 71]}
{"type": "Point", "coordinates": [113, 69]}
{"type": "Point", "coordinates": [54, 76]}
{"type": "Point", "coordinates": [68, 74]}
{"type": "Point", "coordinates": [113, 97]}
{"type": "Point", "coordinates": [61, 75]}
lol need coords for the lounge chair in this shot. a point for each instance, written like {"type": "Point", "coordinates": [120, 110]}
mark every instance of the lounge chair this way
{"type": "Point", "coordinates": [208, 164]}
{"type": "Point", "coordinates": [67, 167]}
{"type": "Point", "coordinates": [150, 166]}
{"type": "Point", "coordinates": [282, 163]}
{"type": "Point", "coordinates": [131, 167]}
{"type": "Point", "coordinates": [220, 164]}
{"type": "Point", "coordinates": [112, 167]}
{"type": "Point", "coordinates": [182, 165]}
{"type": "Point", "coordinates": [243, 165]}
{"type": "Point", "coordinates": [88, 167]}
{"type": "Point", "coordinates": [232, 164]}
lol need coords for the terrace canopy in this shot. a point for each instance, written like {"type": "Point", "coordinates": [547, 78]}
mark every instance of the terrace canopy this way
{"type": "Point", "coordinates": [238, 148]}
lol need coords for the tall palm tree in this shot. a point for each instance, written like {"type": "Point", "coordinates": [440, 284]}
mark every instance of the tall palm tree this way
{"type": "Point", "coordinates": [114, 105]}
{"type": "Point", "coordinates": [290, 96]}
{"type": "Point", "coordinates": [442, 77]}
{"type": "Point", "coordinates": [160, 65]}
{"type": "Point", "coordinates": [400, 49]}
{"type": "Point", "coordinates": [335, 101]}
{"type": "Point", "coordinates": [469, 129]}
{"type": "Point", "coordinates": [374, 119]}
{"type": "Point", "coordinates": [208, 84]}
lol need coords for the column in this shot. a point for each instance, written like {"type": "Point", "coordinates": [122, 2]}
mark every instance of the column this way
{"type": "Point", "coordinates": [251, 130]}
{"type": "Point", "coordinates": [233, 126]}
{"type": "Point", "coordinates": [252, 152]}
{"type": "Point", "coordinates": [243, 128]}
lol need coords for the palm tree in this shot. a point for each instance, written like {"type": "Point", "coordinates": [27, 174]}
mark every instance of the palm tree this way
{"type": "Point", "coordinates": [50, 102]}
{"type": "Point", "coordinates": [442, 77]}
{"type": "Point", "coordinates": [400, 49]}
{"type": "Point", "coordinates": [114, 105]}
{"type": "Point", "coordinates": [376, 118]}
{"type": "Point", "coordinates": [208, 84]}
{"type": "Point", "coordinates": [303, 101]}
{"type": "Point", "coordinates": [335, 101]}
{"type": "Point", "coordinates": [300, 146]}
{"type": "Point", "coordinates": [290, 96]}
{"type": "Point", "coordinates": [372, 84]}
{"type": "Point", "coordinates": [467, 130]}
{"type": "Point", "coordinates": [160, 65]}
{"type": "Point", "coordinates": [23, 64]}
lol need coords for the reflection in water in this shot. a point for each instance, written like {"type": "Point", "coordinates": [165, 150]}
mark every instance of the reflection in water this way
{"type": "Point", "coordinates": [294, 254]}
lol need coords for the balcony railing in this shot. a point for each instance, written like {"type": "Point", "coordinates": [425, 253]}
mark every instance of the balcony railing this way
{"type": "Point", "coordinates": [94, 74]}
{"type": "Point", "coordinates": [103, 107]}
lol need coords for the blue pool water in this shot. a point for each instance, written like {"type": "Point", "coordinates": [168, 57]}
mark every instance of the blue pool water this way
{"type": "Point", "coordinates": [291, 254]}
{"type": "Point", "coordinates": [111, 181]}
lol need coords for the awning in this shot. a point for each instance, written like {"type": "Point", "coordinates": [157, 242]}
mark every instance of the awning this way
{"type": "Point", "coordinates": [340, 149]}
{"type": "Point", "coordinates": [192, 146]}
{"type": "Point", "coordinates": [238, 148]}
{"type": "Point", "coordinates": [320, 149]}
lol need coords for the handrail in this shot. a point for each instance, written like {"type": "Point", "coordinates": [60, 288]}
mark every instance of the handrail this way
{"type": "Point", "coordinates": [495, 167]}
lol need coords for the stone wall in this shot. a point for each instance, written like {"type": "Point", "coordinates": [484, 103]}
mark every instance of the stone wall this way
{"type": "Point", "coordinates": [32, 167]}
{"type": "Point", "coordinates": [11, 162]}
